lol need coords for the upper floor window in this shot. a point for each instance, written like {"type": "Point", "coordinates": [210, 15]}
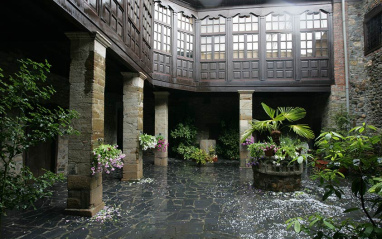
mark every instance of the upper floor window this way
{"type": "Point", "coordinates": [278, 36]}
{"type": "Point", "coordinates": [245, 23]}
{"type": "Point", "coordinates": [373, 29]}
{"type": "Point", "coordinates": [162, 14]}
{"type": "Point", "coordinates": [314, 44]}
{"type": "Point", "coordinates": [185, 45]}
{"type": "Point", "coordinates": [213, 25]}
{"type": "Point", "coordinates": [245, 46]}
{"type": "Point", "coordinates": [185, 39]}
{"type": "Point", "coordinates": [314, 34]}
{"type": "Point", "coordinates": [162, 28]}
{"type": "Point", "coordinates": [134, 11]}
{"type": "Point", "coordinates": [213, 47]}
{"type": "Point", "coordinates": [185, 23]}
{"type": "Point", "coordinates": [313, 20]}
{"type": "Point", "coordinates": [278, 22]}
{"type": "Point", "coordinates": [147, 17]}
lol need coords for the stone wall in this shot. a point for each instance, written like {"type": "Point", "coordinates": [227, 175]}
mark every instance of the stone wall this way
{"type": "Point", "coordinates": [364, 71]}
{"type": "Point", "coordinates": [364, 88]}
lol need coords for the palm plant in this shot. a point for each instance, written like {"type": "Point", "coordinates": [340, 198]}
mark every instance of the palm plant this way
{"type": "Point", "coordinates": [275, 123]}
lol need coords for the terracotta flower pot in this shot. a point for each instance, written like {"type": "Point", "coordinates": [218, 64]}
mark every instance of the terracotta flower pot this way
{"type": "Point", "coordinates": [321, 164]}
{"type": "Point", "coordinates": [276, 137]}
{"type": "Point", "coordinates": [269, 152]}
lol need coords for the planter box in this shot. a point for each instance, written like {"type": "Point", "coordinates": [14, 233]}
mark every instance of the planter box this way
{"type": "Point", "coordinates": [284, 178]}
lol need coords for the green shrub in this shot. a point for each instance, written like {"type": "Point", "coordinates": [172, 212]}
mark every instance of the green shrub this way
{"type": "Point", "coordinates": [186, 151]}
{"type": "Point", "coordinates": [26, 122]}
{"type": "Point", "coordinates": [228, 142]}
{"type": "Point", "coordinates": [184, 136]}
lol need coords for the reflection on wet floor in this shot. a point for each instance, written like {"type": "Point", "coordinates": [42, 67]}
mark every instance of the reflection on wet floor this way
{"type": "Point", "coordinates": [180, 201]}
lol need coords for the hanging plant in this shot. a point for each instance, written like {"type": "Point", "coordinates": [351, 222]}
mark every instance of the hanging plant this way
{"type": "Point", "coordinates": [107, 158]}
{"type": "Point", "coordinates": [147, 141]}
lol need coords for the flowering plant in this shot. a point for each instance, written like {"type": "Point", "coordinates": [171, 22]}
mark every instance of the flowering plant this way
{"type": "Point", "coordinates": [290, 150]}
{"type": "Point", "coordinates": [107, 158]}
{"type": "Point", "coordinates": [259, 151]}
{"type": "Point", "coordinates": [161, 144]}
{"type": "Point", "coordinates": [249, 141]}
{"type": "Point", "coordinates": [147, 141]}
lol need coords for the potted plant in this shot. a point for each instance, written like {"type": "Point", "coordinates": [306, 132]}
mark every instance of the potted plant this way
{"type": "Point", "coordinates": [202, 157]}
{"type": "Point", "coordinates": [161, 145]}
{"type": "Point", "coordinates": [147, 141]}
{"type": "Point", "coordinates": [275, 123]}
{"type": "Point", "coordinates": [280, 171]}
{"type": "Point", "coordinates": [106, 159]}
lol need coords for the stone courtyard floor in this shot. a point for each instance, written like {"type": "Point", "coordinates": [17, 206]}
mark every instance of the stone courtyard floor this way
{"type": "Point", "coordinates": [179, 201]}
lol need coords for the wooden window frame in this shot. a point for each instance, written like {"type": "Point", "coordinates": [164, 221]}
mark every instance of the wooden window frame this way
{"type": "Point", "coordinates": [376, 13]}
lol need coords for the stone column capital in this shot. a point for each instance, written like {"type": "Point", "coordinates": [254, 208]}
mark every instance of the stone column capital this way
{"type": "Point", "coordinates": [142, 76]}
{"type": "Point", "coordinates": [245, 91]}
{"type": "Point", "coordinates": [131, 75]}
{"type": "Point", "coordinates": [89, 36]}
{"type": "Point", "coordinates": [161, 94]}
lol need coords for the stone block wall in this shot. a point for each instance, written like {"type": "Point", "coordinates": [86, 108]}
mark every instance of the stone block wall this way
{"type": "Point", "coordinates": [364, 71]}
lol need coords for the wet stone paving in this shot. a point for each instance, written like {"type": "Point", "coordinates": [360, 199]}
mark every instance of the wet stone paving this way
{"type": "Point", "coordinates": [179, 201]}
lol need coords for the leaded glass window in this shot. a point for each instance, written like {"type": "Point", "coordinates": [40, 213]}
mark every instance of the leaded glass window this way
{"type": "Point", "coordinates": [213, 25]}
{"type": "Point", "coordinates": [213, 47]}
{"type": "Point", "coordinates": [245, 46]}
{"type": "Point", "coordinates": [314, 34]}
{"type": "Point", "coordinates": [278, 22]}
{"type": "Point", "coordinates": [313, 20]}
{"type": "Point", "coordinates": [185, 41]}
{"type": "Point", "coordinates": [245, 23]}
{"type": "Point", "coordinates": [134, 11]}
{"type": "Point", "coordinates": [162, 28]}
{"type": "Point", "coordinates": [279, 36]}
{"type": "Point", "coordinates": [185, 23]}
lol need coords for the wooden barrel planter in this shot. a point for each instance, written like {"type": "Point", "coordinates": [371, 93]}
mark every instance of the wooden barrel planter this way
{"type": "Point", "coordinates": [283, 178]}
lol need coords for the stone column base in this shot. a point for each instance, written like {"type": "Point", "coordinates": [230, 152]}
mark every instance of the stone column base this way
{"type": "Point", "coordinates": [133, 172]}
{"type": "Point", "coordinates": [85, 212]}
{"type": "Point", "coordinates": [161, 158]}
{"type": "Point", "coordinates": [84, 195]}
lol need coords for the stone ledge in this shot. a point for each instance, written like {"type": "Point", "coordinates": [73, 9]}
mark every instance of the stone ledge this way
{"type": "Point", "coordinates": [85, 212]}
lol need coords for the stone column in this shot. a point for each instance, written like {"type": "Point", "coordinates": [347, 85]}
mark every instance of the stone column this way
{"type": "Point", "coordinates": [132, 124]}
{"type": "Point", "coordinates": [87, 87]}
{"type": "Point", "coordinates": [245, 119]}
{"type": "Point", "coordinates": [161, 125]}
